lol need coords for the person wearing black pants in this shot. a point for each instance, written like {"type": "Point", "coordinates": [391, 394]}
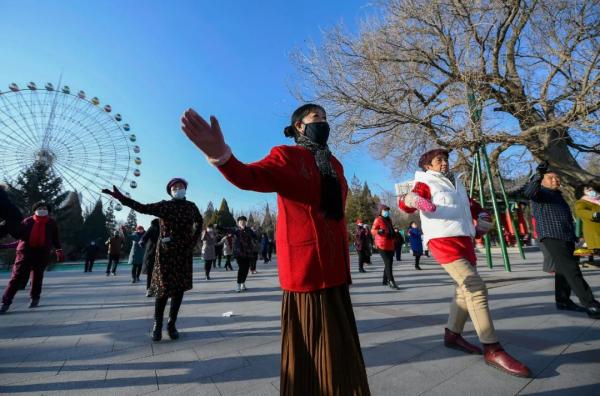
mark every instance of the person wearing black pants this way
{"type": "Point", "coordinates": [219, 255]}
{"type": "Point", "coordinates": [556, 231]}
{"type": "Point", "coordinates": [245, 251]}
{"type": "Point", "coordinates": [383, 230]}
{"type": "Point", "coordinates": [113, 261]}
{"type": "Point", "coordinates": [159, 311]}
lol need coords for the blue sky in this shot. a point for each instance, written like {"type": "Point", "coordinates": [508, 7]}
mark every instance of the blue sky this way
{"type": "Point", "coordinates": [151, 60]}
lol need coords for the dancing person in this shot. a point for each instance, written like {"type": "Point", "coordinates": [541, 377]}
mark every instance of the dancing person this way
{"type": "Point", "coordinates": [227, 243]}
{"type": "Point", "coordinates": [447, 215]}
{"type": "Point", "coordinates": [264, 247]}
{"type": "Point", "coordinates": [115, 244]}
{"type": "Point", "coordinates": [416, 243]}
{"type": "Point", "coordinates": [180, 228]}
{"type": "Point", "coordinates": [383, 231]}
{"type": "Point", "coordinates": [150, 242]}
{"type": "Point", "coordinates": [556, 232]}
{"type": "Point", "coordinates": [218, 249]}
{"type": "Point", "coordinates": [209, 240]}
{"type": "Point", "coordinates": [320, 347]}
{"type": "Point", "coordinates": [136, 254]}
{"type": "Point", "coordinates": [37, 236]}
{"type": "Point", "coordinates": [361, 244]}
{"type": "Point", "coordinates": [243, 251]}
{"type": "Point", "coordinates": [255, 253]}
{"type": "Point", "coordinates": [91, 252]}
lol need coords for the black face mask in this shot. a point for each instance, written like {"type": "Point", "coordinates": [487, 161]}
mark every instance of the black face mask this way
{"type": "Point", "coordinates": [318, 132]}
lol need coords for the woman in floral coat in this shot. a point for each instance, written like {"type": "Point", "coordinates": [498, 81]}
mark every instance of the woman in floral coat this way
{"type": "Point", "coordinates": [180, 227]}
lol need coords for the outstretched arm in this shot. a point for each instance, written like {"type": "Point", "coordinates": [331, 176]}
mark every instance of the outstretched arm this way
{"type": "Point", "coordinates": [157, 209]}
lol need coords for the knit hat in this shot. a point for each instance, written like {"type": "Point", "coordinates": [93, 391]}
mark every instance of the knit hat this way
{"type": "Point", "coordinates": [139, 228]}
{"type": "Point", "coordinates": [39, 204]}
{"type": "Point", "coordinates": [173, 181]}
{"type": "Point", "coordinates": [427, 157]}
{"type": "Point", "coordinates": [383, 207]}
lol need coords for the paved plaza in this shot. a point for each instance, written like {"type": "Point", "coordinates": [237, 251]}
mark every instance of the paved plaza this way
{"type": "Point", "coordinates": [90, 336]}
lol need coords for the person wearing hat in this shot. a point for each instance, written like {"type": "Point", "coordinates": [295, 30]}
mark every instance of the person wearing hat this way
{"type": "Point", "coordinates": [136, 254]}
{"type": "Point", "coordinates": [320, 349]}
{"type": "Point", "coordinates": [114, 244]}
{"type": "Point", "coordinates": [556, 232]}
{"type": "Point", "coordinates": [447, 216]}
{"type": "Point", "coordinates": [37, 236]}
{"type": "Point", "coordinates": [361, 244]}
{"type": "Point", "coordinates": [244, 247]}
{"type": "Point", "coordinates": [383, 232]}
{"type": "Point", "coordinates": [180, 228]}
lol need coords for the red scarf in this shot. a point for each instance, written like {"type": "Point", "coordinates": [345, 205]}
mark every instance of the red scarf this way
{"type": "Point", "coordinates": [38, 232]}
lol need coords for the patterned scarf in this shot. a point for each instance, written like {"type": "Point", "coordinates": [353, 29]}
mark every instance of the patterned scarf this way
{"type": "Point", "coordinates": [331, 191]}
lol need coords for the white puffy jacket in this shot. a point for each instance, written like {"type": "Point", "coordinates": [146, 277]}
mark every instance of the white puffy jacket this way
{"type": "Point", "coordinates": [453, 214]}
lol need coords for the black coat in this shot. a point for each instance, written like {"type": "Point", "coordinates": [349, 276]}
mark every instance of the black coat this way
{"type": "Point", "coordinates": [10, 216]}
{"type": "Point", "coordinates": [149, 241]}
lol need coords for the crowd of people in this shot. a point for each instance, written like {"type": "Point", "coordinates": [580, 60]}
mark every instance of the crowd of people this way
{"type": "Point", "coordinates": [320, 349]}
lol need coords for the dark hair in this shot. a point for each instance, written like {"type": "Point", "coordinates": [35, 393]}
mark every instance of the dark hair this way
{"type": "Point", "coordinates": [242, 218]}
{"type": "Point", "coordinates": [579, 190]}
{"type": "Point", "coordinates": [155, 222]}
{"type": "Point", "coordinates": [427, 157]}
{"type": "Point", "coordinates": [40, 204]}
{"type": "Point", "coordinates": [298, 115]}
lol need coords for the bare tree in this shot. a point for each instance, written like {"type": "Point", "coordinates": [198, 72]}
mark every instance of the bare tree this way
{"type": "Point", "coordinates": [403, 82]}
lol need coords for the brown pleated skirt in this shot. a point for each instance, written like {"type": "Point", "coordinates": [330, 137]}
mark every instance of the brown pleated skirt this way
{"type": "Point", "coordinates": [320, 350]}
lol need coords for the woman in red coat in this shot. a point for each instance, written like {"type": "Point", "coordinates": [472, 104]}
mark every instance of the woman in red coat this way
{"type": "Point", "coordinates": [37, 234]}
{"type": "Point", "coordinates": [383, 231]}
{"type": "Point", "coordinates": [320, 351]}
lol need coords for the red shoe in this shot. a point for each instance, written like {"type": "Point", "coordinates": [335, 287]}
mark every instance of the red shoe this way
{"type": "Point", "coordinates": [456, 341]}
{"type": "Point", "coordinates": [495, 356]}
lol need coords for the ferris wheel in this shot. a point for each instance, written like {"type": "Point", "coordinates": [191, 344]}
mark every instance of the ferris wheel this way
{"type": "Point", "coordinates": [84, 143]}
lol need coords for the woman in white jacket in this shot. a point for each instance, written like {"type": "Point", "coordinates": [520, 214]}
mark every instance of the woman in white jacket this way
{"type": "Point", "coordinates": [447, 216]}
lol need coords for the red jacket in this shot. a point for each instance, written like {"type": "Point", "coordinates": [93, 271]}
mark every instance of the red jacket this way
{"type": "Point", "coordinates": [386, 240]}
{"type": "Point", "coordinates": [312, 252]}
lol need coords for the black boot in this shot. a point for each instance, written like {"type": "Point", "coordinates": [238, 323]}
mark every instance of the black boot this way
{"type": "Point", "coordinates": [4, 308]}
{"type": "Point", "coordinates": [393, 285]}
{"type": "Point", "coordinates": [159, 311]}
{"type": "Point", "coordinates": [34, 303]}
{"type": "Point", "coordinates": [173, 312]}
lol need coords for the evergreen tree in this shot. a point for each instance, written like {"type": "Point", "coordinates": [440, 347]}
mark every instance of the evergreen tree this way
{"type": "Point", "coordinates": [111, 223]}
{"type": "Point", "coordinates": [268, 225]}
{"type": "Point", "coordinates": [70, 226]}
{"type": "Point", "coordinates": [209, 213]}
{"type": "Point", "coordinates": [94, 226]}
{"type": "Point", "coordinates": [128, 229]}
{"type": "Point", "coordinates": [223, 217]}
{"type": "Point", "coordinates": [360, 203]}
{"type": "Point", "coordinates": [37, 183]}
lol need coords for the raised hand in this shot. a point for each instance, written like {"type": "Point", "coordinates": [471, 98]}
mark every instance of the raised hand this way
{"type": "Point", "coordinates": [207, 137]}
{"type": "Point", "coordinates": [115, 193]}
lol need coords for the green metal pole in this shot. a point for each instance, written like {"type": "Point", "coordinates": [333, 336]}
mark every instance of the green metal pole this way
{"type": "Point", "coordinates": [510, 216]}
{"type": "Point", "coordinates": [486, 237]}
{"type": "Point", "coordinates": [488, 172]}
{"type": "Point", "coordinates": [473, 172]}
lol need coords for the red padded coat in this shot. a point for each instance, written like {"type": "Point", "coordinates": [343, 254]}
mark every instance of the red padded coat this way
{"type": "Point", "coordinates": [312, 251]}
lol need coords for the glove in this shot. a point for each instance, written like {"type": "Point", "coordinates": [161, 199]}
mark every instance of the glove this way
{"type": "Point", "coordinates": [484, 223]}
{"type": "Point", "coordinates": [410, 200]}
{"type": "Point", "coordinates": [596, 217]}
{"type": "Point", "coordinates": [115, 193]}
{"type": "Point", "coordinates": [415, 201]}
{"type": "Point", "coordinates": [542, 168]}
{"type": "Point", "coordinates": [60, 256]}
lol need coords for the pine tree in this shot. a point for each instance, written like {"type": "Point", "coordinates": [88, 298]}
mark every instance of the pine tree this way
{"type": "Point", "coordinates": [94, 226]}
{"type": "Point", "coordinates": [70, 225]}
{"type": "Point", "coordinates": [268, 225]}
{"type": "Point", "coordinates": [37, 183]}
{"type": "Point", "coordinates": [129, 228]}
{"type": "Point", "coordinates": [209, 213]}
{"type": "Point", "coordinates": [223, 217]}
{"type": "Point", "coordinates": [111, 223]}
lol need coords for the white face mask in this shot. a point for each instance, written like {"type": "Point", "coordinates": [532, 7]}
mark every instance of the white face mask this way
{"type": "Point", "coordinates": [592, 194]}
{"type": "Point", "coordinates": [41, 213]}
{"type": "Point", "coordinates": [209, 229]}
{"type": "Point", "coordinates": [178, 194]}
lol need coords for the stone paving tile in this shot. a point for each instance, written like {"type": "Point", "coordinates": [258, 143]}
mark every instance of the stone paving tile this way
{"type": "Point", "coordinates": [91, 336]}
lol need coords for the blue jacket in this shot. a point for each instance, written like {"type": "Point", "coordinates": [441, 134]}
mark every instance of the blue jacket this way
{"type": "Point", "coordinates": [136, 255]}
{"type": "Point", "coordinates": [416, 242]}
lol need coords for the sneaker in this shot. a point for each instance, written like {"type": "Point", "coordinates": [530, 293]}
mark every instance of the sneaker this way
{"type": "Point", "coordinates": [569, 305]}
{"type": "Point", "coordinates": [4, 308]}
{"type": "Point", "coordinates": [34, 303]}
{"type": "Point", "coordinates": [244, 287]}
{"type": "Point", "coordinates": [593, 310]}
{"type": "Point", "coordinates": [133, 281]}
{"type": "Point", "coordinates": [108, 273]}
{"type": "Point", "coordinates": [239, 288]}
